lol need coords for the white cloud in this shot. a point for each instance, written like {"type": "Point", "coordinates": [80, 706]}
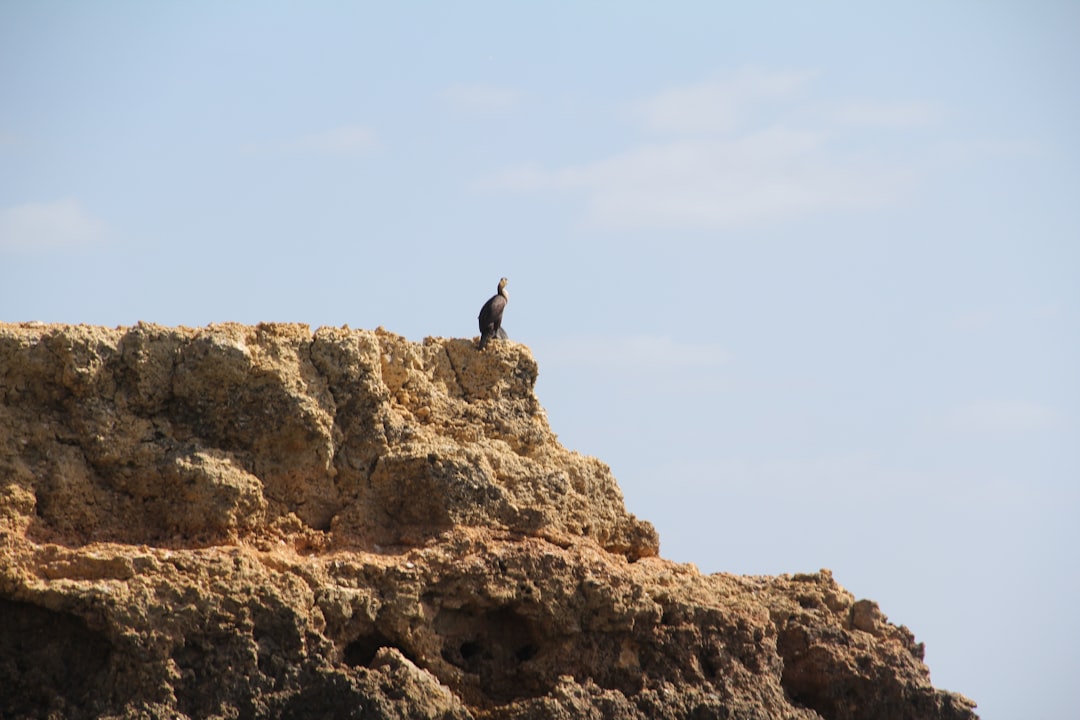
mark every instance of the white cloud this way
{"type": "Point", "coordinates": [745, 148]}
{"type": "Point", "coordinates": [715, 182]}
{"type": "Point", "coordinates": [1000, 417]}
{"type": "Point", "coordinates": [480, 98]}
{"type": "Point", "coordinates": [344, 140]}
{"type": "Point", "coordinates": [632, 353]}
{"type": "Point", "coordinates": [48, 226]}
{"type": "Point", "coordinates": [720, 105]}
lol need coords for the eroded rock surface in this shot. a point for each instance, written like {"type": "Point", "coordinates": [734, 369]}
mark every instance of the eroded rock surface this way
{"type": "Point", "coordinates": [256, 522]}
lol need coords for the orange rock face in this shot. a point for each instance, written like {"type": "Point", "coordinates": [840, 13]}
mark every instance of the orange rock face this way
{"type": "Point", "coordinates": [256, 522]}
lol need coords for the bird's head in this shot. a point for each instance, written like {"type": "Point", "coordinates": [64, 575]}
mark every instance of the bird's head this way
{"type": "Point", "coordinates": [502, 284]}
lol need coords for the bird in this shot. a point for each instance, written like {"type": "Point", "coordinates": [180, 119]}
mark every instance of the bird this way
{"type": "Point", "coordinates": [491, 315]}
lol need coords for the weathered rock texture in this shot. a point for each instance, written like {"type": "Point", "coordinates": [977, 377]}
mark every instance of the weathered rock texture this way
{"type": "Point", "coordinates": [256, 522]}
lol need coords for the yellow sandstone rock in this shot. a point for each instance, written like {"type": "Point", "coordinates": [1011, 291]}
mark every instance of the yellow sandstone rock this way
{"type": "Point", "coordinates": [264, 521]}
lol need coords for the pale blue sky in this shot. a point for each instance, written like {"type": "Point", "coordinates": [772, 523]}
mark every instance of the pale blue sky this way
{"type": "Point", "coordinates": [806, 275]}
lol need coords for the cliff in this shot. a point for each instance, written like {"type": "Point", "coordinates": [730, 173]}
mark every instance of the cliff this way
{"type": "Point", "coordinates": [255, 522]}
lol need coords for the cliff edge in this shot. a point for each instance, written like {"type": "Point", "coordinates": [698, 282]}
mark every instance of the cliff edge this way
{"type": "Point", "coordinates": [256, 522]}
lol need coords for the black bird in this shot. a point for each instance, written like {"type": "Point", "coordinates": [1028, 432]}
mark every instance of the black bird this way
{"type": "Point", "coordinates": [491, 315]}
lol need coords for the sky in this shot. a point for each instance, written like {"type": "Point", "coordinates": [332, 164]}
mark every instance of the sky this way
{"type": "Point", "coordinates": [805, 275]}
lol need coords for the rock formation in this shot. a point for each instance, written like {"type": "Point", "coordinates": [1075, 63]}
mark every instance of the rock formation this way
{"type": "Point", "coordinates": [265, 522]}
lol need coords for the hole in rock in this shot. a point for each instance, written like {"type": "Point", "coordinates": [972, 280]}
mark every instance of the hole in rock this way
{"type": "Point", "coordinates": [361, 651]}
{"type": "Point", "coordinates": [469, 650]}
{"type": "Point", "coordinates": [495, 646]}
{"type": "Point", "coordinates": [51, 663]}
{"type": "Point", "coordinates": [527, 652]}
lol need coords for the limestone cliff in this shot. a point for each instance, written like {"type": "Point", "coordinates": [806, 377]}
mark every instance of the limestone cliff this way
{"type": "Point", "coordinates": [256, 522]}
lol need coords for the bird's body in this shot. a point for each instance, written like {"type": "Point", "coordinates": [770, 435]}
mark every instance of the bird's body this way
{"type": "Point", "coordinates": [491, 315]}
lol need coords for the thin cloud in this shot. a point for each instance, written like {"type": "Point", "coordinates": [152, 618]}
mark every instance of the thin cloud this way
{"type": "Point", "coordinates": [746, 148]}
{"type": "Point", "coordinates": [720, 105]}
{"type": "Point", "coordinates": [997, 417]}
{"type": "Point", "coordinates": [717, 183]}
{"type": "Point", "coordinates": [49, 226]}
{"type": "Point", "coordinates": [480, 99]}
{"type": "Point", "coordinates": [344, 140]}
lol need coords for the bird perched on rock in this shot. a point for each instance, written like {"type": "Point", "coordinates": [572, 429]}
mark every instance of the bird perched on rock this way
{"type": "Point", "coordinates": [491, 315]}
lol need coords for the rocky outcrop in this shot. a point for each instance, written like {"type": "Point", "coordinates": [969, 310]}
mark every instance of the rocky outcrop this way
{"type": "Point", "coordinates": [263, 521]}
